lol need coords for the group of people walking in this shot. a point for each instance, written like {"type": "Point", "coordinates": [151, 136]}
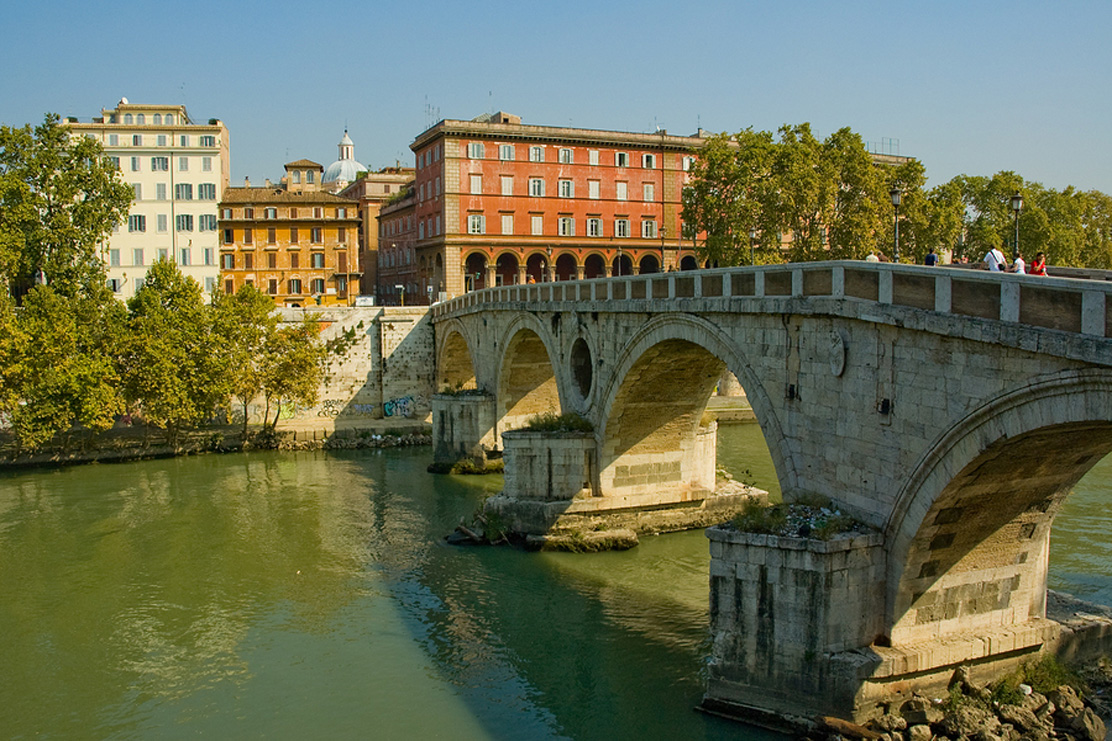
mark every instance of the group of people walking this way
{"type": "Point", "coordinates": [997, 263]}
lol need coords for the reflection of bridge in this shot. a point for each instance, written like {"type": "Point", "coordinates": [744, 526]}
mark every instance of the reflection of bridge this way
{"type": "Point", "coordinates": [950, 410]}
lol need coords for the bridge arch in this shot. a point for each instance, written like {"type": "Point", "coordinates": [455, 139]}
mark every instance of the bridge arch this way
{"type": "Point", "coordinates": [526, 374]}
{"type": "Point", "coordinates": [969, 536]}
{"type": "Point", "coordinates": [455, 364]}
{"type": "Point", "coordinates": [692, 353]}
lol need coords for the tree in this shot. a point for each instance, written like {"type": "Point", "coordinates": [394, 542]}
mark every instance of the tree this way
{"type": "Point", "coordinates": [245, 322]}
{"type": "Point", "coordinates": [60, 197]}
{"type": "Point", "coordinates": [292, 367]}
{"type": "Point", "coordinates": [173, 369]}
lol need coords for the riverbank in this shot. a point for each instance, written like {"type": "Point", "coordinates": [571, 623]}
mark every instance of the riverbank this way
{"type": "Point", "coordinates": [141, 442]}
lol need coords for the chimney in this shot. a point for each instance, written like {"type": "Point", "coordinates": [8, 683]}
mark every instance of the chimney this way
{"type": "Point", "coordinates": [269, 184]}
{"type": "Point", "coordinates": [246, 182]}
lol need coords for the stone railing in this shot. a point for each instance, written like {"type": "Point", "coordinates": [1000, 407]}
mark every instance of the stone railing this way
{"type": "Point", "coordinates": [1070, 305]}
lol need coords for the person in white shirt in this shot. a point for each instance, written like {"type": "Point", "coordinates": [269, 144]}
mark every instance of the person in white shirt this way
{"type": "Point", "coordinates": [1019, 266]}
{"type": "Point", "coordinates": [994, 259]}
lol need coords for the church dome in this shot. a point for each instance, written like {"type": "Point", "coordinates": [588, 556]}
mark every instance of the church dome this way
{"type": "Point", "coordinates": [345, 169]}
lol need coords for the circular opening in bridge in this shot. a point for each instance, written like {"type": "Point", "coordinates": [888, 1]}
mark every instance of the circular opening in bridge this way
{"type": "Point", "coordinates": [581, 366]}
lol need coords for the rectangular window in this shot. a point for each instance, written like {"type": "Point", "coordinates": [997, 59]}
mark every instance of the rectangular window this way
{"type": "Point", "coordinates": [316, 235]}
{"type": "Point", "coordinates": [206, 222]}
{"type": "Point", "coordinates": [592, 156]}
{"type": "Point", "coordinates": [113, 140]}
{"type": "Point", "coordinates": [183, 164]}
{"type": "Point", "coordinates": [593, 189]}
{"type": "Point", "coordinates": [621, 159]}
{"type": "Point", "coordinates": [163, 221]}
{"type": "Point", "coordinates": [341, 235]}
{"type": "Point", "coordinates": [648, 229]}
{"type": "Point", "coordinates": [648, 161]}
{"type": "Point", "coordinates": [341, 212]}
{"type": "Point", "coordinates": [209, 255]}
{"type": "Point", "coordinates": [536, 154]}
{"type": "Point", "coordinates": [621, 227]}
{"type": "Point", "coordinates": [137, 256]}
{"type": "Point", "coordinates": [137, 189]}
{"type": "Point", "coordinates": [272, 286]}
{"type": "Point", "coordinates": [136, 140]}
{"type": "Point", "coordinates": [115, 162]}
{"type": "Point", "coordinates": [184, 222]}
{"type": "Point", "coordinates": [475, 150]}
{"type": "Point", "coordinates": [114, 258]}
{"type": "Point", "coordinates": [295, 261]}
{"type": "Point", "coordinates": [229, 236]}
{"type": "Point", "coordinates": [317, 260]}
{"type": "Point", "coordinates": [295, 286]}
{"type": "Point", "coordinates": [317, 286]}
{"type": "Point", "coordinates": [162, 140]}
{"type": "Point", "coordinates": [688, 163]}
{"type": "Point", "coordinates": [293, 235]}
{"type": "Point", "coordinates": [225, 213]}
{"type": "Point", "coordinates": [318, 212]}
{"type": "Point", "coordinates": [272, 260]}
{"type": "Point", "coordinates": [621, 191]}
{"type": "Point", "coordinates": [206, 192]}
{"type": "Point", "coordinates": [186, 257]}
{"type": "Point", "coordinates": [476, 185]}
{"type": "Point", "coordinates": [160, 191]}
{"type": "Point", "coordinates": [183, 192]}
{"type": "Point", "coordinates": [536, 224]}
{"type": "Point", "coordinates": [507, 185]}
{"type": "Point", "coordinates": [566, 157]}
{"type": "Point", "coordinates": [507, 223]}
{"type": "Point", "coordinates": [248, 212]}
{"type": "Point", "coordinates": [184, 140]}
{"type": "Point", "coordinates": [506, 152]}
{"type": "Point", "coordinates": [271, 235]}
{"type": "Point", "coordinates": [648, 192]}
{"type": "Point", "coordinates": [229, 286]}
{"type": "Point", "coordinates": [309, 176]}
{"type": "Point", "coordinates": [206, 164]}
{"type": "Point", "coordinates": [293, 213]}
{"type": "Point", "coordinates": [476, 224]}
{"type": "Point", "coordinates": [567, 189]}
{"type": "Point", "coordinates": [228, 262]}
{"type": "Point", "coordinates": [421, 230]}
{"type": "Point", "coordinates": [536, 187]}
{"type": "Point", "coordinates": [248, 261]}
{"type": "Point", "coordinates": [210, 283]}
{"type": "Point", "coordinates": [208, 141]}
{"type": "Point", "coordinates": [137, 223]}
{"type": "Point", "coordinates": [341, 262]}
{"type": "Point", "coordinates": [594, 227]}
{"type": "Point", "coordinates": [135, 164]}
{"type": "Point", "coordinates": [160, 164]}
{"type": "Point", "coordinates": [248, 236]}
{"type": "Point", "coordinates": [270, 213]}
{"type": "Point", "coordinates": [565, 226]}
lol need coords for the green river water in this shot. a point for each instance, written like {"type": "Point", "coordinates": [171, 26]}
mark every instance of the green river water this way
{"type": "Point", "coordinates": [310, 595]}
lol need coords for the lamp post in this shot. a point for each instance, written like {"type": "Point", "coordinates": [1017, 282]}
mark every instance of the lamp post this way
{"type": "Point", "coordinates": [896, 194]}
{"type": "Point", "coordinates": [401, 288]}
{"type": "Point", "coordinates": [1017, 206]}
{"type": "Point", "coordinates": [752, 239]}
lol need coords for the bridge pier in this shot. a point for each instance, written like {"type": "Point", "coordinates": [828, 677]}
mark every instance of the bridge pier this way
{"type": "Point", "coordinates": [463, 429]}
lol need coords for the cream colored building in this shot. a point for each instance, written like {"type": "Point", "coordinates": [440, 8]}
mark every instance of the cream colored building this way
{"type": "Point", "coordinates": [179, 169]}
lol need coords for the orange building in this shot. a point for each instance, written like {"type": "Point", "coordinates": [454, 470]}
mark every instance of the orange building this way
{"type": "Point", "coordinates": [372, 190]}
{"type": "Point", "coordinates": [499, 202]}
{"type": "Point", "coordinates": [295, 242]}
{"type": "Point", "coordinates": [400, 275]}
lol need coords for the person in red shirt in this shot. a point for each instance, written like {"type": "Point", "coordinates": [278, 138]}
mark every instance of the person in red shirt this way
{"type": "Point", "coordinates": [1038, 265]}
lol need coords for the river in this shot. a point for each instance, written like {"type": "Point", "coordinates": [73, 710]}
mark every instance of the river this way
{"type": "Point", "coordinates": [310, 595]}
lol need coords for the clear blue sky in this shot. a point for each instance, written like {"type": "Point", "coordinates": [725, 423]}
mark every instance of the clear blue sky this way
{"type": "Point", "coordinates": [966, 87]}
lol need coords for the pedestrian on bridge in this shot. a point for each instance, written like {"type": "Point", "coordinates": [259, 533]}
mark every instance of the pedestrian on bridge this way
{"type": "Point", "coordinates": [1038, 265]}
{"type": "Point", "coordinates": [995, 261]}
{"type": "Point", "coordinates": [1019, 266]}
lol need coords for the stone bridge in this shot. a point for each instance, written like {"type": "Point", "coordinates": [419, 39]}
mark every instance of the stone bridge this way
{"type": "Point", "coordinates": [949, 410]}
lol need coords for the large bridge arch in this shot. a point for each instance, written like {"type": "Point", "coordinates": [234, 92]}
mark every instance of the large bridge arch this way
{"type": "Point", "coordinates": [455, 364]}
{"type": "Point", "coordinates": [526, 374]}
{"type": "Point", "coordinates": [703, 351]}
{"type": "Point", "coordinates": [969, 535]}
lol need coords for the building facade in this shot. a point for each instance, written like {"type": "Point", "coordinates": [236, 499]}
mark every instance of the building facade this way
{"type": "Point", "coordinates": [178, 169]}
{"type": "Point", "coordinates": [293, 241]}
{"type": "Point", "coordinates": [401, 278]}
{"type": "Point", "coordinates": [499, 202]}
{"type": "Point", "coordinates": [373, 190]}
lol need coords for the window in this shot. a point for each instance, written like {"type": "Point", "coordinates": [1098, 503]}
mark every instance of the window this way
{"type": "Point", "coordinates": [115, 161]}
{"type": "Point", "coordinates": [293, 213]}
{"type": "Point", "coordinates": [621, 227]}
{"type": "Point", "coordinates": [136, 140]}
{"type": "Point", "coordinates": [566, 157]}
{"type": "Point", "coordinates": [270, 213]}
{"type": "Point", "coordinates": [316, 235]}
{"type": "Point", "coordinates": [272, 260]}
{"type": "Point", "coordinates": [475, 150]}
{"type": "Point", "coordinates": [536, 224]}
{"type": "Point", "coordinates": [248, 212]}
{"type": "Point", "coordinates": [228, 262]}
{"type": "Point", "coordinates": [621, 159]}
{"type": "Point", "coordinates": [341, 212]}
{"type": "Point", "coordinates": [206, 222]}
{"type": "Point", "coordinates": [536, 187]}
{"type": "Point", "coordinates": [162, 223]}
{"type": "Point", "coordinates": [137, 223]}
{"type": "Point", "coordinates": [248, 261]}
{"type": "Point", "coordinates": [210, 284]}
{"type": "Point", "coordinates": [506, 151]}
{"type": "Point", "coordinates": [648, 161]}
{"type": "Point", "coordinates": [128, 118]}
{"type": "Point", "coordinates": [160, 164]}
{"type": "Point", "coordinates": [317, 286]}
{"type": "Point", "coordinates": [184, 140]}
{"type": "Point", "coordinates": [185, 257]}
{"type": "Point", "coordinates": [567, 189]}
{"type": "Point", "coordinates": [421, 230]}
{"type": "Point", "coordinates": [208, 141]}
{"type": "Point", "coordinates": [648, 229]}
{"type": "Point", "coordinates": [137, 189]}
{"type": "Point", "coordinates": [183, 164]}
{"type": "Point", "coordinates": [536, 154]}
{"type": "Point", "coordinates": [158, 119]}
{"type": "Point", "coordinates": [161, 140]}
{"type": "Point", "coordinates": [140, 119]}
{"type": "Point", "coordinates": [296, 174]}
{"type": "Point", "coordinates": [476, 185]}
{"type": "Point", "coordinates": [507, 185]}
{"type": "Point", "coordinates": [207, 192]}
{"type": "Point", "coordinates": [476, 224]}
{"type": "Point", "coordinates": [271, 236]}
{"type": "Point", "coordinates": [621, 191]}
{"type": "Point", "coordinates": [229, 236]}
{"type": "Point", "coordinates": [594, 227]}
{"type": "Point", "coordinates": [295, 286]}
{"type": "Point", "coordinates": [137, 256]}
{"type": "Point", "coordinates": [341, 234]}
{"type": "Point", "coordinates": [647, 191]}
{"type": "Point", "coordinates": [183, 192]}
{"type": "Point", "coordinates": [437, 191]}
{"type": "Point", "coordinates": [293, 235]}
{"type": "Point", "coordinates": [318, 213]}
{"type": "Point", "coordinates": [229, 286]}
{"type": "Point", "coordinates": [592, 156]}
{"type": "Point", "coordinates": [209, 255]}
{"type": "Point", "coordinates": [169, 119]}
{"type": "Point", "coordinates": [565, 226]}
{"type": "Point", "coordinates": [688, 163]}
{"type": "Point", "coordinates": [248, 236]}
{"type": "Point", "coordinates": [160, 191]}
{"type": "Point", "coordinates": [317, 260]}
{"type": "Point", "coordinates": [206, 164]}
{"type": "Point", "coordinates": [295, 260]}
{"type": "Point", "coordinates": [310, 176]}
{"type": "Point", "coordinates": [113, 140]}
{"type": "Point", "coordinates": [507, 223]}
{"type": "Point", "coordinates": [272, 286]}
{"type": "Point", "coordinates": [593, 189]}
{"type": "Point", "coordinates": [135, 164]}
{"type": "Point", "coordinates": [184, 222]}
{"type": "Point", "coordinates": [114, 258]}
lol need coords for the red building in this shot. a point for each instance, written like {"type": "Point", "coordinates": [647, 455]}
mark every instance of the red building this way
{"type": "Point", "coordinates": [498, 202]}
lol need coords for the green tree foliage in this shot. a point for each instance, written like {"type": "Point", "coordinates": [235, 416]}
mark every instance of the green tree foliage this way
{"type": "Point", "coordinates": [292, 367]}
{"type": "Point", "coordinates": [245, 322]}
{"type": "Point", "coordinates": [174, 371]}
{"type": "Point", "coordinates": [60, 196]}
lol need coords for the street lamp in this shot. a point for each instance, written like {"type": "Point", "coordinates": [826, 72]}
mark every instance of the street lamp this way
{"type": "Point", "coordinates": [752, 239]}
{"type": "Point", "coordinates": [1017, 206]}
{"type": "Point", "coordinates": [401, 288]}
{"type": "Point", "coordinates": [896, 194]}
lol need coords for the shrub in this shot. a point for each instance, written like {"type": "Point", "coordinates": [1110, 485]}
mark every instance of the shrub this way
{"type": "Point", "coordinates": [553, 422]}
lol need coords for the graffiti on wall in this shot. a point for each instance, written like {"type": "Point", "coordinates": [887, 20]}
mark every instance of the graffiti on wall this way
{"type": "Point", "coordinates": [401, 407]}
